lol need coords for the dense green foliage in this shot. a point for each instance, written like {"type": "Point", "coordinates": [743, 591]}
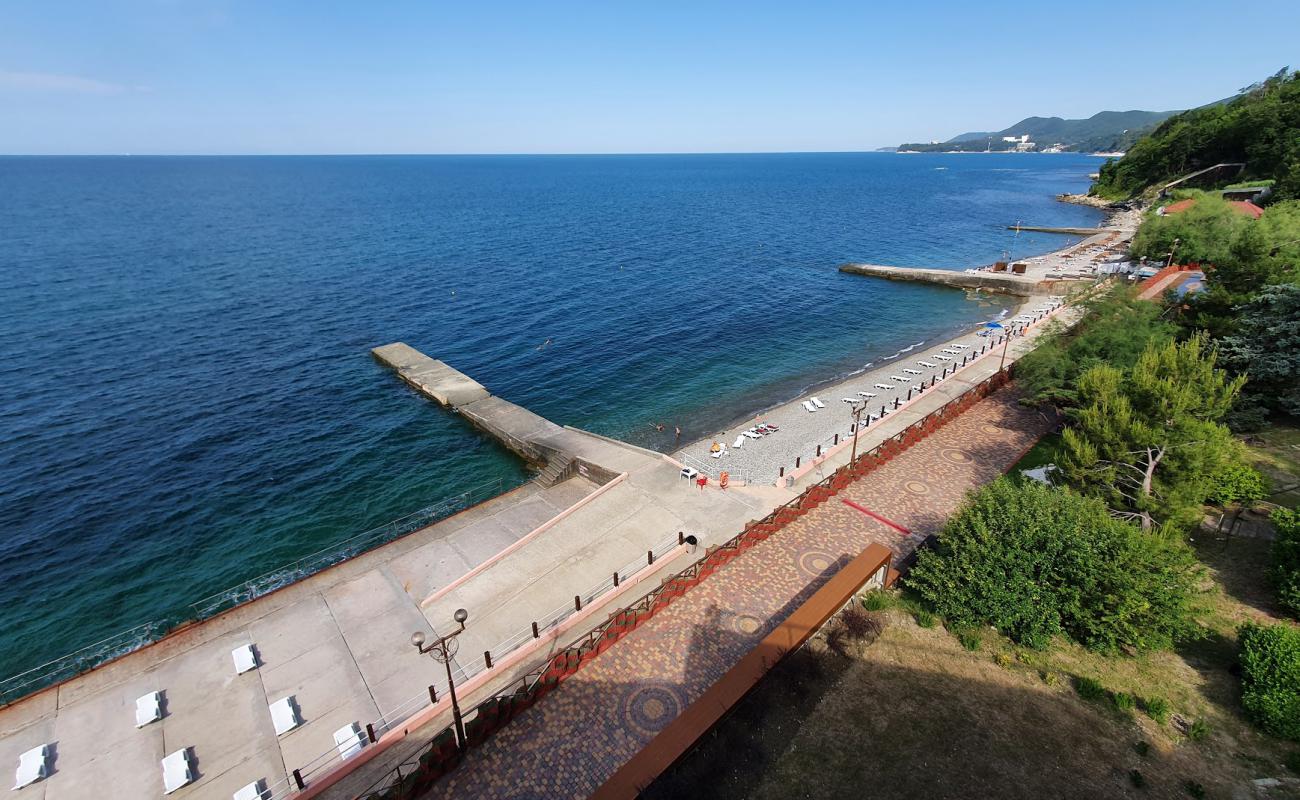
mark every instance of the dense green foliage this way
{"type": "Point", "coordinates": [1115, 330]}
{"type": "Point", "coordinates": [1270, 677]}
{"type": "Point", "coordinates": [1260, 127]}
{"type": "Point", "coordinates": [1202, 234]}
{"type": "Point", "coordinates": [1147, 439]}
{"type": "Point", "coordinates": [1036, 562]}
{"type": "Point", "coordinates": [1286, 559]}
{"type": "Point", "coordinates": [1265, 347]}
{"type": "Point", "coordinates": [1237, 482]}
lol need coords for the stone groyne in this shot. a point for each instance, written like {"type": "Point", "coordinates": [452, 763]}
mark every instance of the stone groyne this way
{"type": "Point", "coordinates": [1005, 283]}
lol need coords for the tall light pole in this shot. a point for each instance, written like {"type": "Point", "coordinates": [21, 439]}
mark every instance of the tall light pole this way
{"type": "Point", "coordinates": [857, 423]}
{"type": "Point", "coordinates": [444, 650]}
{"type": "Point", "coordinates": [1006, 340]}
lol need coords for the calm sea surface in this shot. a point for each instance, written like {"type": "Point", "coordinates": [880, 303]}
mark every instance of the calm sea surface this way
{"type": "Point", "coordinates": [189, 399]}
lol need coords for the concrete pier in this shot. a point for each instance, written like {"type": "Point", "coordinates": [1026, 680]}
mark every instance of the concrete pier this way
{"type": "Point", "coordinates": [1005, 283]}
{"type": "Point", "coordinates": [538, 440]}
{"type": "Point", "coordinates": [1066, 231]}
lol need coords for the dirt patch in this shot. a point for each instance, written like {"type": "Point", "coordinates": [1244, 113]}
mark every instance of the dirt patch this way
{"type": "Point", "coordinates": [915, 714]}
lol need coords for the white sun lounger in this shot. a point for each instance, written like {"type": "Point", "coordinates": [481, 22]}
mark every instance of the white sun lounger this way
{"type": "Point", "coordinates": [253, 791]}
{"type": "Point", "coordinates": [245, 659]}
{"type": "Point", "coordinates": [866, 394]}
{"type": "Point", "coordinates": [720, 453]}
{"type": "Point", "coordinates": [817, 401]}
{"type": "Point", "coordinates": [349, 740]}
{"type": "Point", "coordinates": [962, 346]}
{"type": "Point", "coordinates": [808, 406]}
{"type": "Point", "coordinates": [148, 709]}
{"type": "Point", "coordinates": [885, 386]}
{"type": "Point", "coordinates": [850, 400]}
{"type": "Point", "coordinates": [928, 364]}
{"type": "Point", "coordinates": [751, 434]}
{"type": "Point", "coordinates": [284, 715]}
{"type": "Point", "coordinates": [898, 378]}
{"type": "Point", "coordinates": [176, 771]}
{"type": "Point", "coordinates": [32, 766]}
{"type": "Point", "coordinates": [951, 351]}
{"type": "Point", "coordinates": [740, 441]}
{"type": "Point", "coordinates": [912, 371]}
{"type": "Point", "coordinates": [943, 358]}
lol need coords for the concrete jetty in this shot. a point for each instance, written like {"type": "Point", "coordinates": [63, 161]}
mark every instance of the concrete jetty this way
{"type": "Point", "coordinates": [1066, 231]}
{"type": "Point", "coordinates": [1005, 283]}
{"type": "Point", "coordinates": [538, 440]}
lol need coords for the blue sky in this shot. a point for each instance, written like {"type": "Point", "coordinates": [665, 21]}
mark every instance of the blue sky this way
{"type": "Point", "coordinates": [191, 76]}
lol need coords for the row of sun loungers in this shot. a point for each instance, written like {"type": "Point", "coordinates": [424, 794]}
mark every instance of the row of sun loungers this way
{"type": "Point", "coordinates": [178, 766]}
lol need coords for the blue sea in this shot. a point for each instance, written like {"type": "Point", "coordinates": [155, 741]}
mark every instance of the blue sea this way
{"type": "Point", "coordinates": [189, 396]}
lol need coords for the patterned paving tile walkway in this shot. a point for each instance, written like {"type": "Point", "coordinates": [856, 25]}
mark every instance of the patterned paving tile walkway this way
{"type": "Point", "coordinates": [573, 740]}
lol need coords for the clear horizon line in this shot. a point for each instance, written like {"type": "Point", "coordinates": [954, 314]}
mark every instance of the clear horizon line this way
{"type": "Point", "coordinates": [881, 150]}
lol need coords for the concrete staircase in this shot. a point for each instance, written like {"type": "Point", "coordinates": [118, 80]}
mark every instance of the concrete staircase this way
{"type": "Point", "coordinates": [558, 468]}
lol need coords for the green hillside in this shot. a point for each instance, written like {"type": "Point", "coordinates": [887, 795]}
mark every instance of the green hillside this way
{"type": "Point", "coordinates": [1260, 127]}
{"type": "Point", "coordinates": [1103, 131]}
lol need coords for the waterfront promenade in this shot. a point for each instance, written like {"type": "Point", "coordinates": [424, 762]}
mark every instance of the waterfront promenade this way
{"type": "Point", "coordinates": [576, 738]}
{"type": "Point", "coordinates": [337, 644]}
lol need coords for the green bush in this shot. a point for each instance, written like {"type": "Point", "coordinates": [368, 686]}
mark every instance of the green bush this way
{"type": "Point", "coordinates": [1199, 730]}
{"type": "Point", "coordinates": [1036, 562]}
{"type": "Point", "coordinates": [969, 639]}
{"type": "Point", "coordinates": [1204, 233]}
{"type": "Point", "coordinates": [1090, 688]}
{"type": "Point", "coordinates": [925, 619]}
{"type": "Point", "coordinates": [876, 601]}
{"type": "Point", "coordinates": [1270, 677]}
{"type": "Point", "coordinates": [1135, 777]}
{"type": "Point", "coordinates": [1286, 559]}
{"type": "Point", "coordinates": [1142, 748]}
{"type": "Point", "coordinates": [1194, 789]}
{"type": "Point", "coordinates": [1157, 708]}
{"type": "Point", "coordinates": [1237, 483]}
{"type": "Point", "coordinates": [1124, 702]}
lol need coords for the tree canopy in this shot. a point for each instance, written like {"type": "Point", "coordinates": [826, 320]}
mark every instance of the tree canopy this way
{"type": "Point", "coordinates": [1147, 439]}
{"type": "Point", "coordinates": [1114, 330]}
{"type": "Point", "coordinates": [1260, 127]}
{"type": "Point", "coordinates": [1037, 562]}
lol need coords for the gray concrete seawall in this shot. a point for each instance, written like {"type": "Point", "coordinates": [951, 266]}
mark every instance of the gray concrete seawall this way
{"type": "Point", "coordinates": [1018, 285]}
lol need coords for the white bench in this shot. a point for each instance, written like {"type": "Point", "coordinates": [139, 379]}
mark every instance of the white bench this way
{"type": "Point", "coordinates": [32, 766]}
{"type": "Point", "coordinates": [176, 771]}
{"type": "Point", "coordinates": [349, 740]}
{"type": "Point", "coordinates": [245, 659]}
{"type": "Point", "coordinates": [148, 709]}
{"type": "Point", "coordinates": [253, 791]}
{"type": "Point", "coordinates": [284, 715]}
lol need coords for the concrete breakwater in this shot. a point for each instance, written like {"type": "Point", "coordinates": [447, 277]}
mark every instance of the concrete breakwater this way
{"type": "Point", "coordinates": [1019, 285]}
{"type": "Point", "coordinates": [1066, 231]}
{"type": "Point", "coordinates": [519, 429]}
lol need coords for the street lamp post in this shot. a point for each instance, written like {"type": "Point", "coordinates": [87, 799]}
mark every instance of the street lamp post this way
{"type": "Point", "coordinates": [444, 650]}
{"type": "Point", "coordinates": [857, 423]}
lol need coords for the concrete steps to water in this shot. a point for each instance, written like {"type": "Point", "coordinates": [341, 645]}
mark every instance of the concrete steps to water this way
{"type": "Point", "coordinates": [558, 468]}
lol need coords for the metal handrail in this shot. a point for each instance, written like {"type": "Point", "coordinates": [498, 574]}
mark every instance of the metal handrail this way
{"type": "Point", "coordinates": [408, 708]}
{"type": "Point", "coordinates": [119, 644]}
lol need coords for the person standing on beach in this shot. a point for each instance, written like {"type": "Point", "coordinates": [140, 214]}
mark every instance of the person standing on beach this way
{"type": "Point", "coordinates": [677, 434]}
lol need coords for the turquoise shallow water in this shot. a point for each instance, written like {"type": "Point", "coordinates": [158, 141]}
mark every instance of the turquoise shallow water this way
{"type": "Point", "coordinates": [189, 396]}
